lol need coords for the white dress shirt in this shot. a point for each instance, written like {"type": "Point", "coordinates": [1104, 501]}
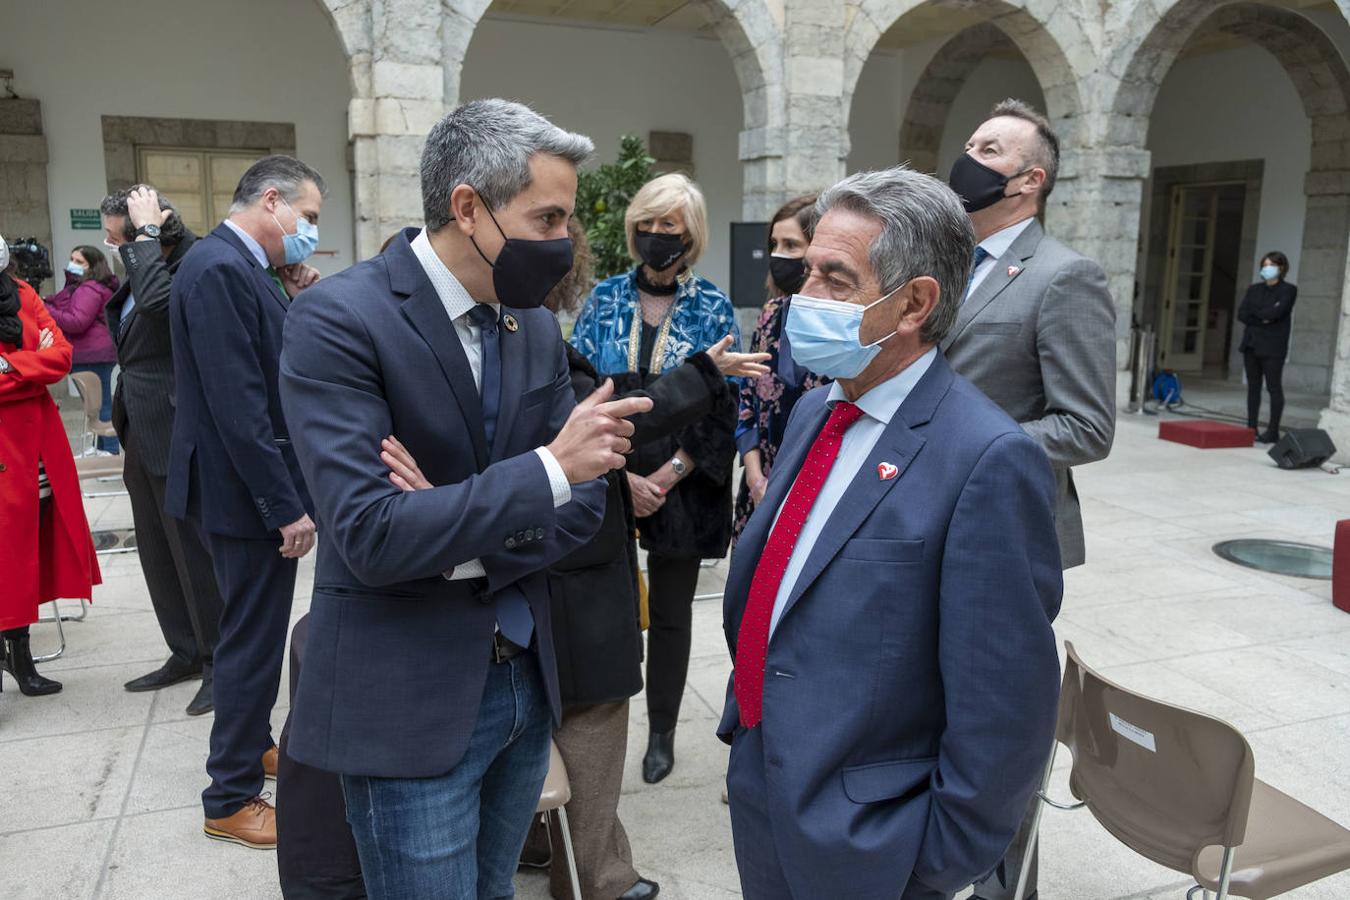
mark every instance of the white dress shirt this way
{"type": "Point", "coordinates": [253, 246]}
{"type": "Point", "coordinates": [996, 245]}
{"type": "Point", "coordinates": [879, 405]}
{"type": "Point", "coordinates": [458, 304]}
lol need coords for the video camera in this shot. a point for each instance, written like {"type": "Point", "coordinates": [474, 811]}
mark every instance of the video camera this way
{"type": "Point", "coordinates": [32, 261]}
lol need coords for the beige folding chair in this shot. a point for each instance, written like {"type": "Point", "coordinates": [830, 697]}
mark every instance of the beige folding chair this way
{"type": "Point", "coordinates": [89, 465]}
{"type": "Point", "coordinates": [90, 389]}
{"type": "Point", "coordinates": [1178, 787]}
{"type": "Point", "coordinates": [557, 791]}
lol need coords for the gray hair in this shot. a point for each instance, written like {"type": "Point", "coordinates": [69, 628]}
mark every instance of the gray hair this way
{"type": "Point", "coordinates": [924, 231]}
{"type": "Point", "coordinates": [285, 173]}
{"type": "Point", "coordinates": [487, 144]}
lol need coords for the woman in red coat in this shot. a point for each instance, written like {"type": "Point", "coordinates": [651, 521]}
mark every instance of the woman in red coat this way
{"type": "Point", "coordinates": [47, 552]}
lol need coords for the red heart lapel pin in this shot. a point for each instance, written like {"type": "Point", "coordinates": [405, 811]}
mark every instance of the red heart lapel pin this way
{"type": "Point", "coordinates": [1012, 271]}
{"type": "Point", "coordinates": [886, 471]}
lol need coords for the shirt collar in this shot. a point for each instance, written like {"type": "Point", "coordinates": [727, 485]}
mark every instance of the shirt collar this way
{"type": "Point", "coordinates": [998, 243]}
{"type": "Point", "coordinates": [454, 297]}
{"type": "Point", "coordinates": [882, 401]}
{"type": "Point", "coordinates": [253, 246]}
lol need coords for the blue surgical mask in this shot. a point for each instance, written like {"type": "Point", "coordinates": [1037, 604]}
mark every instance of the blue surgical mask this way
{"type": "Point", "coordinates": [301, 245]}
{"type": "Point", "coordinates": [75, 269]}
{"type": "Point", "coordinates": [823, 335]}
{"type": "Point", "coordinates": [1270, 273]}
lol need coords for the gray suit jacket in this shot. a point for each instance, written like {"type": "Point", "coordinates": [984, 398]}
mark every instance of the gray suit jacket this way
{"type": "Point", "coordinates": [1038, 336]}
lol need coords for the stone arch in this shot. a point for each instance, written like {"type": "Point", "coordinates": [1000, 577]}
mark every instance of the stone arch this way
{"type": "Point", "coordinates": [748, 31]}
{"type": "Point", "coordinates": [1308, 56]}
{"type": "Point", "coordinates": [1322, 79]}
{"type": "Point", "coordinates": [938, 86]}
{"type": "Point", "coordinates": [1058, 50]}
{"type": "Point", "coordinates": [351, 21]}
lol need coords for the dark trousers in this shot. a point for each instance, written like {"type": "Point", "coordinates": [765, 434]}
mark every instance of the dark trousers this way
{"type": "Point", "coordinates": [1272, 370]}
{"type": "Point", "coordinates": [316, 855]}
{"type": "Point", "coordinates": [671, 582]}
{"type": "Point", "coordinates": [104, 372]}
{"type": "Point", "coordinates": [257, 585]}
{"type": "Point", "coordinates": [177, 568]}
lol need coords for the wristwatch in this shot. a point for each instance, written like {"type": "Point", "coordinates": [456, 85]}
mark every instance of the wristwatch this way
{"type": "Point", "coordinates": [5, 367]}
{"type": "Point", "coordinates": [678, 465]}
{"type": "Point", "coordinates": [149, 231]}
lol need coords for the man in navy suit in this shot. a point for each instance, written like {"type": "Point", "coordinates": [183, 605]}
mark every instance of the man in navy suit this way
{"type": "Point", "coordinates": [232, 471]}
{"type": "Point", "coordinates": [429, 675]}
{"type": "Point", "coordinates": [888, 607]}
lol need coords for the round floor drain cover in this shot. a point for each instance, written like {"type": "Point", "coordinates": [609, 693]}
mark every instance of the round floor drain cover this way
{"type": "Point", "coordinates": [1280, 557]}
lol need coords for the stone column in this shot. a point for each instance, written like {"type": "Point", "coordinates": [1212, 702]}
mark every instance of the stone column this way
{"type": "Point", "coordinates": [1313, 345]}
{"type": "Point", "coordinates": [1335, 419]}
{"type": "Point", "coordinates": [23, 172]}
{"type": "Point", "coordinates": [398, 95]}
{"type": "Point", "coordinates": [1095, 209]}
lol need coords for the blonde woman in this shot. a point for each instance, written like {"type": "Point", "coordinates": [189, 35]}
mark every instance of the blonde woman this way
{"type": "Point", "coordinates": [633, 328]}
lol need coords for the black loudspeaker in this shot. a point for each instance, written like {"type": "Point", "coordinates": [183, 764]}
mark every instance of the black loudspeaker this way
{"type": "Point", "coordinates": [1302, 447]}
{"type": "Point", "coordinates": [749, 263]}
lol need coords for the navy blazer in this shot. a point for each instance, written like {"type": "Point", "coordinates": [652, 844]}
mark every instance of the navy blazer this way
{"type": "Point", "coordinates": [911, 684]}
{"type": "Point", "coordinates": [231, 466]}
{"type": "Point", "coordinates": [398, 654]}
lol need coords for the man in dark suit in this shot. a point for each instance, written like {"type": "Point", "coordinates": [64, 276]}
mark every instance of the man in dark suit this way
{"type": "Point", "coordinates": [1037, 334]}
{"type": "Point", "coordinates": [889, 604]}
{"type": "Point", "coordinates": [152, 241]}
{"type": "Point", "coordinates": [429, 676]}
{"type": "Point", "coordinates": [232, 471]}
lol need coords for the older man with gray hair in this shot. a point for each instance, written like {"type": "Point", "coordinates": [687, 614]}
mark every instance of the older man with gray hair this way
{"type": "Point", "coordinates": [429, 675]}
{"type": "Point", "coordinates": [889, 605]}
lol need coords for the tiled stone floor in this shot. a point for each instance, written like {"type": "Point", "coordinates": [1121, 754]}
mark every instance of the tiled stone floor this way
{"type": "Point", "coordinates": [99, 788]}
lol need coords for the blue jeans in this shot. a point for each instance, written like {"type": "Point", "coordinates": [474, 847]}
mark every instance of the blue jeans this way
{"type": "Point", "coordinates": [104, 372]}
{"type": "Point", "coordinates": [459, 835]}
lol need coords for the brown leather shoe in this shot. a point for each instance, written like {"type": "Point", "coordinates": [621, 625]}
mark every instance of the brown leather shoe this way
{"type": "Point", "coordinates": [270, 762]}
{"type": "Point", "coordinates": [254, 826]}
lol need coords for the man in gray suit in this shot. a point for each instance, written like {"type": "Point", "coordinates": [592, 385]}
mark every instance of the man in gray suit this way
{"type": "Point", "coordinates": [1036, 333]}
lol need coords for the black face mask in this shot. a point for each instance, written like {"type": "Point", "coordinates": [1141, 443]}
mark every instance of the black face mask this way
{"type": "Point", "coordinates": [525, 271]}
{"type": "Point", "coordinates": [979, 186]}
{"type": "Point", "coordinates": [659, 251]}
{"type": "Point", "coordinates": [788, 274]}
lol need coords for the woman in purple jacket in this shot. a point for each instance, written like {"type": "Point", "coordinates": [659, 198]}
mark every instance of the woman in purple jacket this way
{"type": "Point", "coordinates": [78, 309]}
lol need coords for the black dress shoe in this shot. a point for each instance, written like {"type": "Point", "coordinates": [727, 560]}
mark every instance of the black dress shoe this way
{"type": "Point", "coordinates": [660, 758]}
{"type": "Point", "coordinates": [171, 672]}
{"type": "Point", "coordinates": [202, 704]}
{"type": "Point", "coordinates": [643, 890]}
{"type": "Point", "coordinates": [1268, 437]}
{"type": "Point", "coordinates": [19, 663]}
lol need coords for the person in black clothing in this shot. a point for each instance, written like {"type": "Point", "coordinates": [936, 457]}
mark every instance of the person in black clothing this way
{"type": "Point", "coordinates": [1265, 311]}
{"type": "Point", "coordinates": [152, 240]}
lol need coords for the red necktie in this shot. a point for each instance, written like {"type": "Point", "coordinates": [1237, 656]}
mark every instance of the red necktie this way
{"type": "Point", "coordinates": [752, 641]}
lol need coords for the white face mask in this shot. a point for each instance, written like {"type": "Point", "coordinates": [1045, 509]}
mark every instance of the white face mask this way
{"type": "Point", "coordinates": [1270, 273]}
{"type": "Point", "coordinates": [825, 335]}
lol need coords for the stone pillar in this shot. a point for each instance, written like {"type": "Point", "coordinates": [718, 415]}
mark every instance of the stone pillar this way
{"type": "Point", "coordinates": [1313, 346]}
{"type": "Point", "coordinates": [399, 86]}
{"type": "Point", "coordinates": [23, 172]}
{"type": "Point", "coordinates": [1095, 209]}
{"type": "Point", "coordinates": [1335, 419]}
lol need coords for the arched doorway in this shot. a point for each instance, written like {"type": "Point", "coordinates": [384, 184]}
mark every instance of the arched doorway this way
{"type": "Point", "coordinates": [919, 69]}
{"type": "Point", "coordinates": [686, 78]}
{"type": "Point", "coordinates": [1266, 94]}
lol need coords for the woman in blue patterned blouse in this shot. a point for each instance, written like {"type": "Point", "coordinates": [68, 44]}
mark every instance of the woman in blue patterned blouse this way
{"type": "Point", "coordinates": [634, 327]}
